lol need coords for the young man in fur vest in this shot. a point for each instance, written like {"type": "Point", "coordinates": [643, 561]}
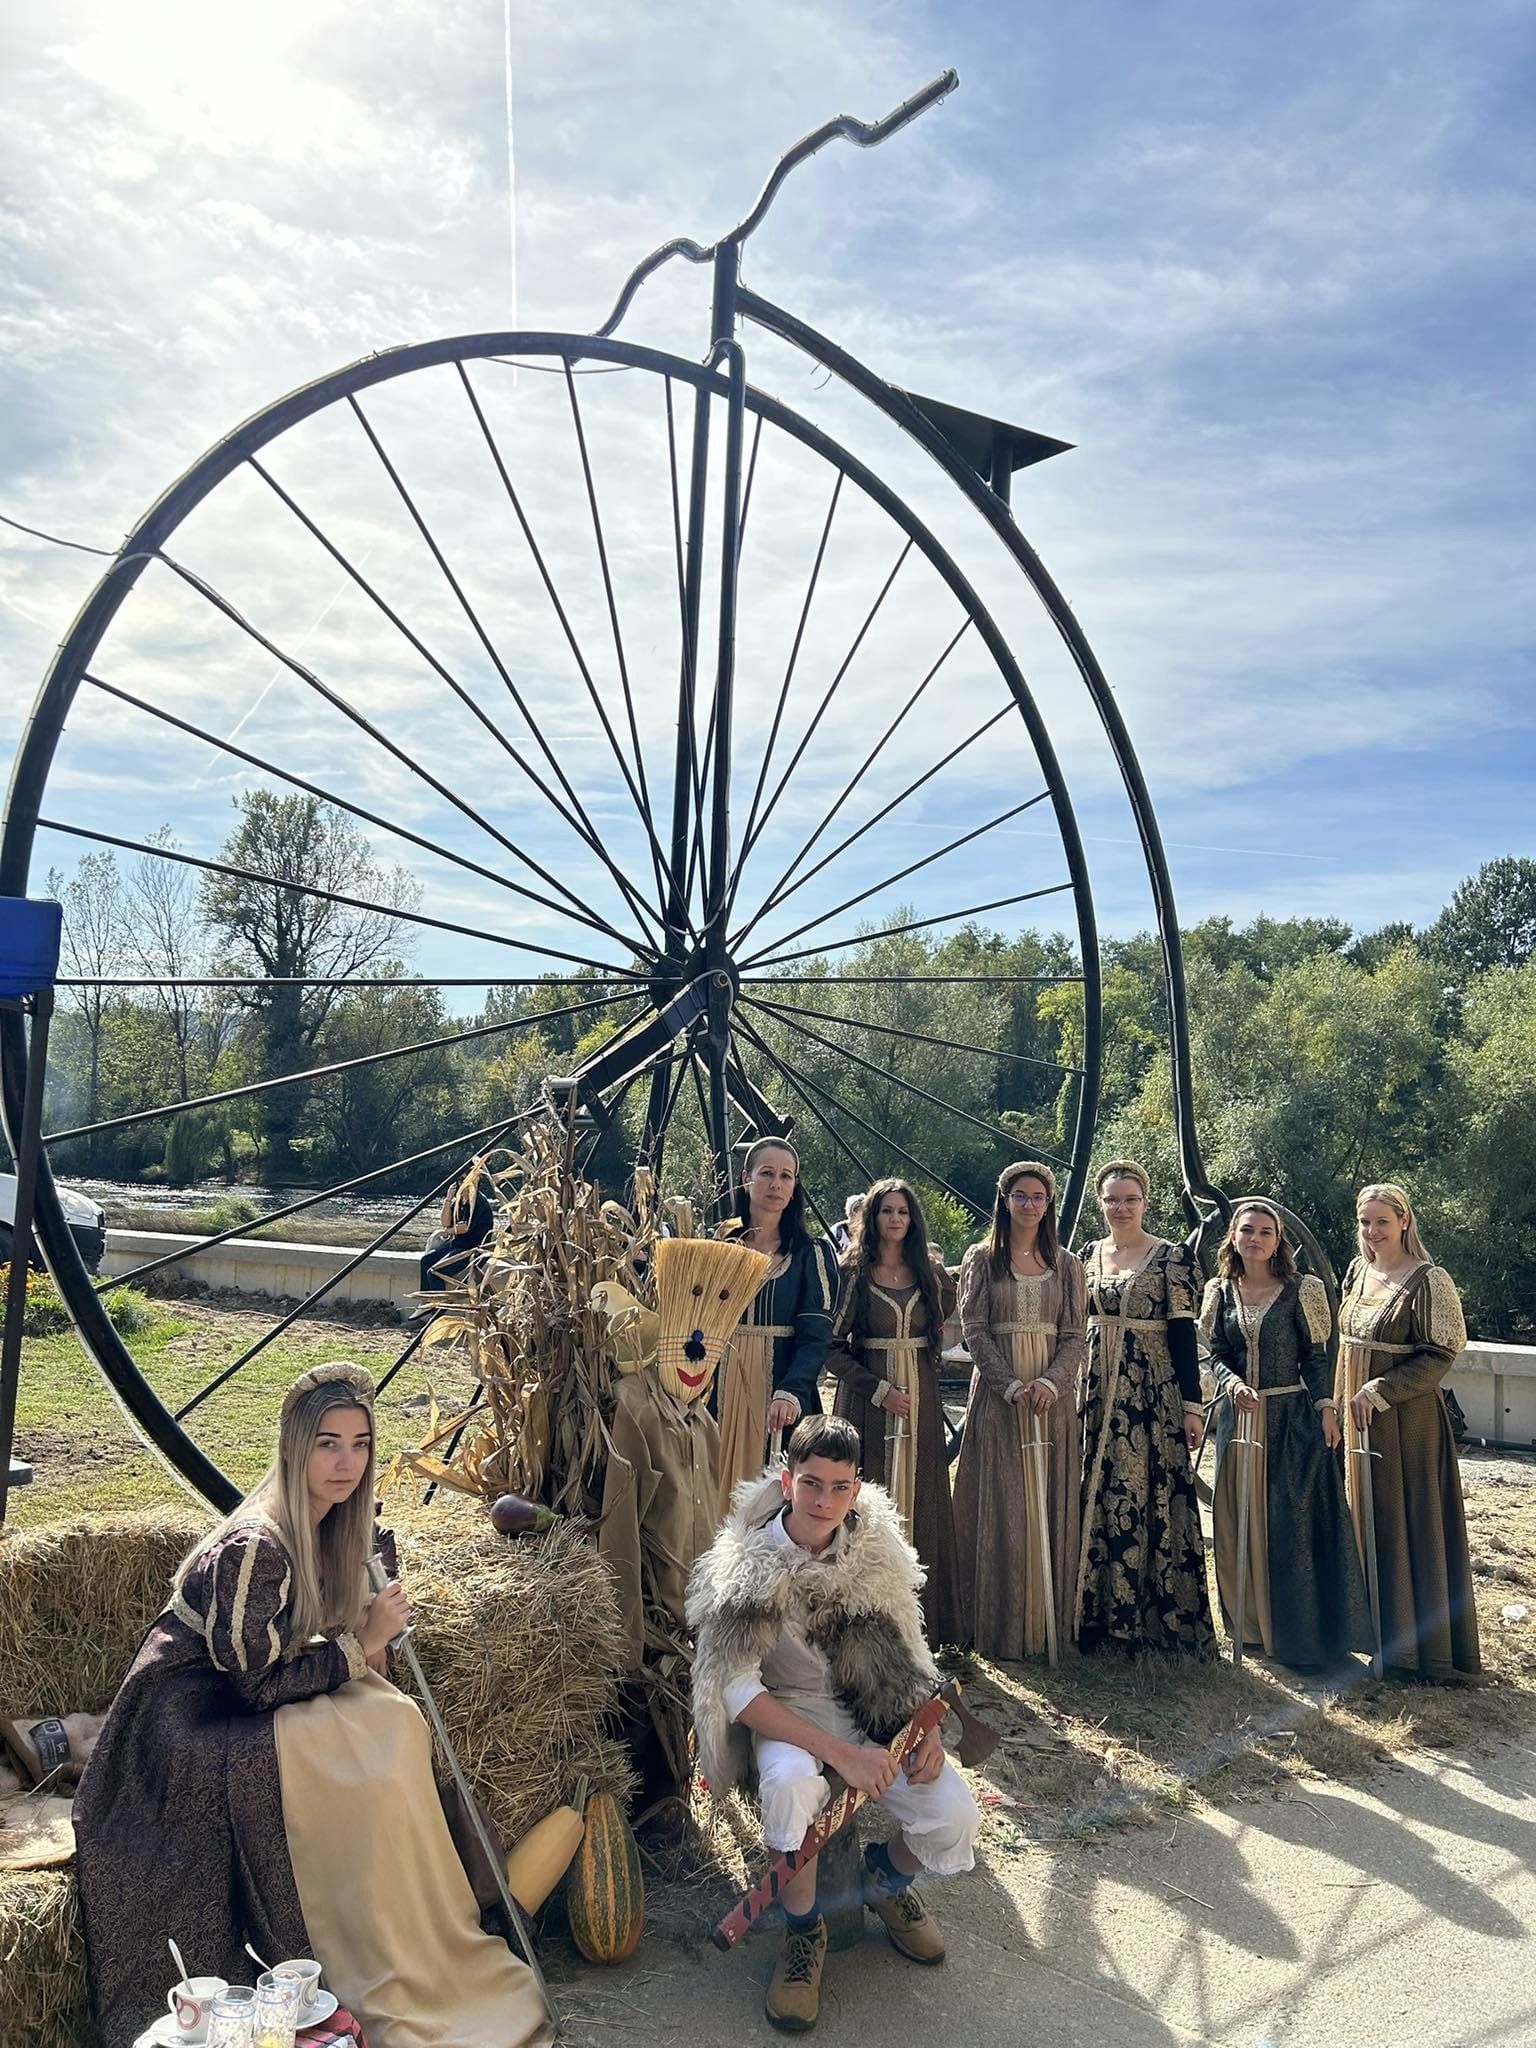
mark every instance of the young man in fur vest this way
{"type": "Point", "coordinates": [811, 1653]}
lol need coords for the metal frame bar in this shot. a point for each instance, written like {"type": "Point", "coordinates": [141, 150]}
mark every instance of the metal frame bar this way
{"type": "Point", "coordinates": [28, 1153]}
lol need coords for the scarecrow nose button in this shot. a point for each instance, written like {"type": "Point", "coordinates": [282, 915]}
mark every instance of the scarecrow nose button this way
{"type": "Point", "coordinates": [694, 1348]}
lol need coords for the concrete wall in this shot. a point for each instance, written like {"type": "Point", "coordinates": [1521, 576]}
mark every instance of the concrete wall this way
{"type": "Point", "coordinates": [1496, 1386]}
{"type": "Point", "coordinates": [270, 1266]}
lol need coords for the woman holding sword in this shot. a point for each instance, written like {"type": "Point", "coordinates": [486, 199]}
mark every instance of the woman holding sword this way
{"type": "Point", "coordinates": [260, 1780]}
{"type": "Point", "coordinates": [1400, 1328]}
{"type": "Point", "coordinates": [1022, 1307]}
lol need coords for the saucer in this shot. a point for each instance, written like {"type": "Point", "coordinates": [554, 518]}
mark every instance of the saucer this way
{"type": "Point", "coordinates": [161, 2033]}
{"type": "Point", "coordinates": [325, 2004]}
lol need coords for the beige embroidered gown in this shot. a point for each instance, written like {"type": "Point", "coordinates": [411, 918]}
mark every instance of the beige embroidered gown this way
{"type": "Point", "coordinates": [1399, 1347]}
{"type": "Point", "coordinates": [1018, 1330]}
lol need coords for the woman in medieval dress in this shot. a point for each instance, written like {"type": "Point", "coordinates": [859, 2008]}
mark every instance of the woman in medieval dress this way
{"type": "Point", "coordinates": [1400, 1329]}
{"type": "Point", "coordinates": [1141, 1583]}
{"type": "Point", "coordinates": [259, 1778]}
{"type": "Point", "coordinates": [1267, 1328]}
{"type": "Point", "coordinates": [1021, 1305]}
{"type": "Point", "coordinates": [887, 1341]}
{"type": "Point", "coordinates": [769, 1370]}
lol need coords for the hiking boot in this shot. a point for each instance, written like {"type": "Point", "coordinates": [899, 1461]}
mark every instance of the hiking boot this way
{"type": "Point", "coordinates": [905, 1918]}
{"type": "Point", "coordinates": [794, 1993]}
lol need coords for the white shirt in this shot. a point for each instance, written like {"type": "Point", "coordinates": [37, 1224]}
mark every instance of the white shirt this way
{"type": "Point", "coordinates": [794, 1671]}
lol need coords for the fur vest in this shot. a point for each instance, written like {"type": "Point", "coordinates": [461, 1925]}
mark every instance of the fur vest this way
{"type": "Point", "coordinates": [859, 1609]}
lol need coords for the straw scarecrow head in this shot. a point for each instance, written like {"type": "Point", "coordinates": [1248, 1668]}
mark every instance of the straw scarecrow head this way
{"type": "Point", "coordinates": [703, 1287]}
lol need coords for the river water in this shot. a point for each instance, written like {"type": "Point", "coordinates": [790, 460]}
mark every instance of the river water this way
{"type": "Point", "coordinates": [115, 1196]}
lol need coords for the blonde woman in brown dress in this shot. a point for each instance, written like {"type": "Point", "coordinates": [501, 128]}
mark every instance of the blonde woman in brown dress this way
{"type": "Point", "coordinates": [1021, 1307]}
{"type": "Point", "coordinates": [1141, 1585]}
{"type": "Point", "coordinates": [886, 1346]}
{"type": "Point", "coordinates": [1400, 1329]}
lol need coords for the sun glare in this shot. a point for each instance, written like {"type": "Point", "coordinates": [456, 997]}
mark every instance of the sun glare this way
{"type": "Point", "coordinates": [215, 75]}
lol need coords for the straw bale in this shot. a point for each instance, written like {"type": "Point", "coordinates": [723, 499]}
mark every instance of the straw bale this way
{"type": "Point", "coordinates": [42, 1962]}
{"type": "Point", "coordinates": [76, 1598]}
{"type": "Point", "coordinates": [522, 1643]}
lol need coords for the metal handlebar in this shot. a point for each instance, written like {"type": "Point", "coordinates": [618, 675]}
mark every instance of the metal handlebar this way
{"type": "Point", "coordinates": [842, 128]}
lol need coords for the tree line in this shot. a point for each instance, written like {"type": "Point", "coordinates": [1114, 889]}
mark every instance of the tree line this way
{"type": "Point", "coordinates": [1323, 1057]}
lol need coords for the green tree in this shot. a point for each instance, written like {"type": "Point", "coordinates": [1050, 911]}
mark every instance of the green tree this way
{"type": "Point", "coordinates": [1490, 921]}
{"type": "Point", "coordinates": [299, 942]}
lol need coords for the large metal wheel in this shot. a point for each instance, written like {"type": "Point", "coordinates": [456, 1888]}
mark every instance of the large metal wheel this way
{"type": "Point", "coordinates": [663, 692]}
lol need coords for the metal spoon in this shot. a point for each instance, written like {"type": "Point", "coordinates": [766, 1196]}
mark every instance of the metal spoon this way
{"type": "Point", "coordinates": [177, 1958]}
{"type": "Point", "coordinates": [256, 1958]}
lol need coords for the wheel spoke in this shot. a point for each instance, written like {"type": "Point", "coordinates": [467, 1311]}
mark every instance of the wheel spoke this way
{"type": "Point", "coordinates": [337, 980]}
{"type": "Point", "coordinates": [585, 829]}
{"type": "Point", "coordinates": [749, 835]}
{"type": "Point", "coordinates": [341, 1273]}
{"type": "Point", "coordinates": [339, 703]}
{"type": "Point", "coordinates": [639, 795]}
{"type": "Point", "coordinates": [913, 867]}
{"type": "Point", "coordinates": [866, 1175]}
{"type": "Point", "coordinates": [439, 924]}
{"type": "Point", "coordinates": [861, 771]}
{"type": "Point", "coordinates": [780, 892]}
{"type": "Point", "coordinates": [581, 914]}
{"type": "Point", "coordinates": [899, 980]}
{"type": "Point", "coordinates": [885, 1074]}
{"type": "Point", "coordinates": [341, 1187]}
{"type": "Point", "coordinates": [880, 1137]}
{"type": "Point", "coordinates": [367, 1059]}
{"type": "Point", "coordinates": [990, 1052]}
{"type": "Point", "coordinates": [809, 734]}
{"type": "Point", "coordinates": [916, 924]}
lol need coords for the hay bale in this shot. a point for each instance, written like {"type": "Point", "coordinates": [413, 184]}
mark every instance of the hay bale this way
{"type": "Point", "coordinates": [522, 1644]}
{"type": "Point", "coordinates": [76, 1598]}
{"type": "Point", "coordinates": [42, 1962]}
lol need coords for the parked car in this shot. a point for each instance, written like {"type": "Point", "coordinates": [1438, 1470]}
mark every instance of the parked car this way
{"type": "Point", "coordinates": [87, 1222]}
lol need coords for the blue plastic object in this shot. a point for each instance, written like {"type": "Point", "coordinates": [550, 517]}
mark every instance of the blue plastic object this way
{"type": "Point", "coordinates": [30, 932]}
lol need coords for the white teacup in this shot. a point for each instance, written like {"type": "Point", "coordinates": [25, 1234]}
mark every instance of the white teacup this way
{"type": "Point", "coordinates": [190, 2002]}
{"type": "Point", "coordinates": [305, 1972]}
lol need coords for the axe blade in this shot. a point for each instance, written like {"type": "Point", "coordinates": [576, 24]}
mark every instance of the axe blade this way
{"type": "Point", "coordinates": [977, 1741]}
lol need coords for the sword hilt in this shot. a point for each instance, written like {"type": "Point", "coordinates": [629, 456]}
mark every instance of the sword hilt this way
{"type": "Point", "coordinates": [378, 1579]}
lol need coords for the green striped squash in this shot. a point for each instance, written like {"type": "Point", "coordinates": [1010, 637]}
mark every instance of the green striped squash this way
{"type": "Point", "coordinates": [604, 1890]}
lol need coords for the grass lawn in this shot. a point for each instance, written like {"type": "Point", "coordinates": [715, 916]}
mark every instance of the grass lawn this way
{"type": "Point", "coordinates": [88, 1458]}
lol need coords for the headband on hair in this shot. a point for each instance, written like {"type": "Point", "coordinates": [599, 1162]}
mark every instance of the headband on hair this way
{"type": "Point", "coordinates": [341, 1373]}
{"type": "Point", "coordinates": [1123, 1169]}
{"type": "Point", "coordinates": [1033, 1169]}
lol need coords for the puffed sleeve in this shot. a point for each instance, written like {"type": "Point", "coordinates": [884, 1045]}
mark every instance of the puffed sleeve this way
{"type": "Point", "coordinates": [1071, 1345]}
{"type": "Point", "coordinates": [1314, 1324]}
{"type": "Point", "coordinates": [1182, 1299]}
{"type": "Point", "coordinates": [975, 1309]}
{"type": "Point", "coordinates": [814, 1311]}
{"type": "Point", "coordinates": [248, 1627]}
{"type": "Point", "coordinates": [1225, 1364]}
{"type": "Point", "coordinates": [845, 1361]}
{"type": "Point", "coordinates": [1437, 1333]}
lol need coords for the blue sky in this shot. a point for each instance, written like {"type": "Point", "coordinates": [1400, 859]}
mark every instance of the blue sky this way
{"type": "Point", "coordinates": [1269, 268]}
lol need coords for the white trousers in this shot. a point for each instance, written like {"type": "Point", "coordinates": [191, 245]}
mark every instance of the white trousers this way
{"type": "Point", "coordinates": [939, 1821]}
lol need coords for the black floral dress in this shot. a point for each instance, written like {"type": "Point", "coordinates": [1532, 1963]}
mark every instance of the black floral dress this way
{"type": "Point", "coordinates": [1141, 1583]}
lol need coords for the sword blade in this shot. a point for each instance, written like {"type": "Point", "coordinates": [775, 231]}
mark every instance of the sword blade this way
{"type": "Point", "coordinates": [1035, 1445]}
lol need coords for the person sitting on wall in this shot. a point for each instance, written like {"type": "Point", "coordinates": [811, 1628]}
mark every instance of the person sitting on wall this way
{"type": "Point", "coordinates": [810, 1653]}
{"type": "Point", "coordinates": [468, 1218]}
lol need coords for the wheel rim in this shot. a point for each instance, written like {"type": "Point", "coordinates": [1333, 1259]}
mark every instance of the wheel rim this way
{"type": "Point", "coordinates": [790, 916]}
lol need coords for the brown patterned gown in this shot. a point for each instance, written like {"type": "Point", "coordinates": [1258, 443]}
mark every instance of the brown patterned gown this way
{"type": "Point", "coordinates": [896, 1350]}
{"type": "Point", "coordinates": [189, 1751]}
{"type": "Point", "coordinates": [1398, 1347]}
{"type": "Point", "coordinates": [1141, 1584]}
{"type": "Point", "coordinates": [1017, 1330]}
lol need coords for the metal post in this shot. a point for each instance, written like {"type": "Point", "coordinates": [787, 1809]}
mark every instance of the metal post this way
{"type": "Point", "coordinates": [717, 867]}
{"type": "Point", "coordinates": [41, 1005]}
